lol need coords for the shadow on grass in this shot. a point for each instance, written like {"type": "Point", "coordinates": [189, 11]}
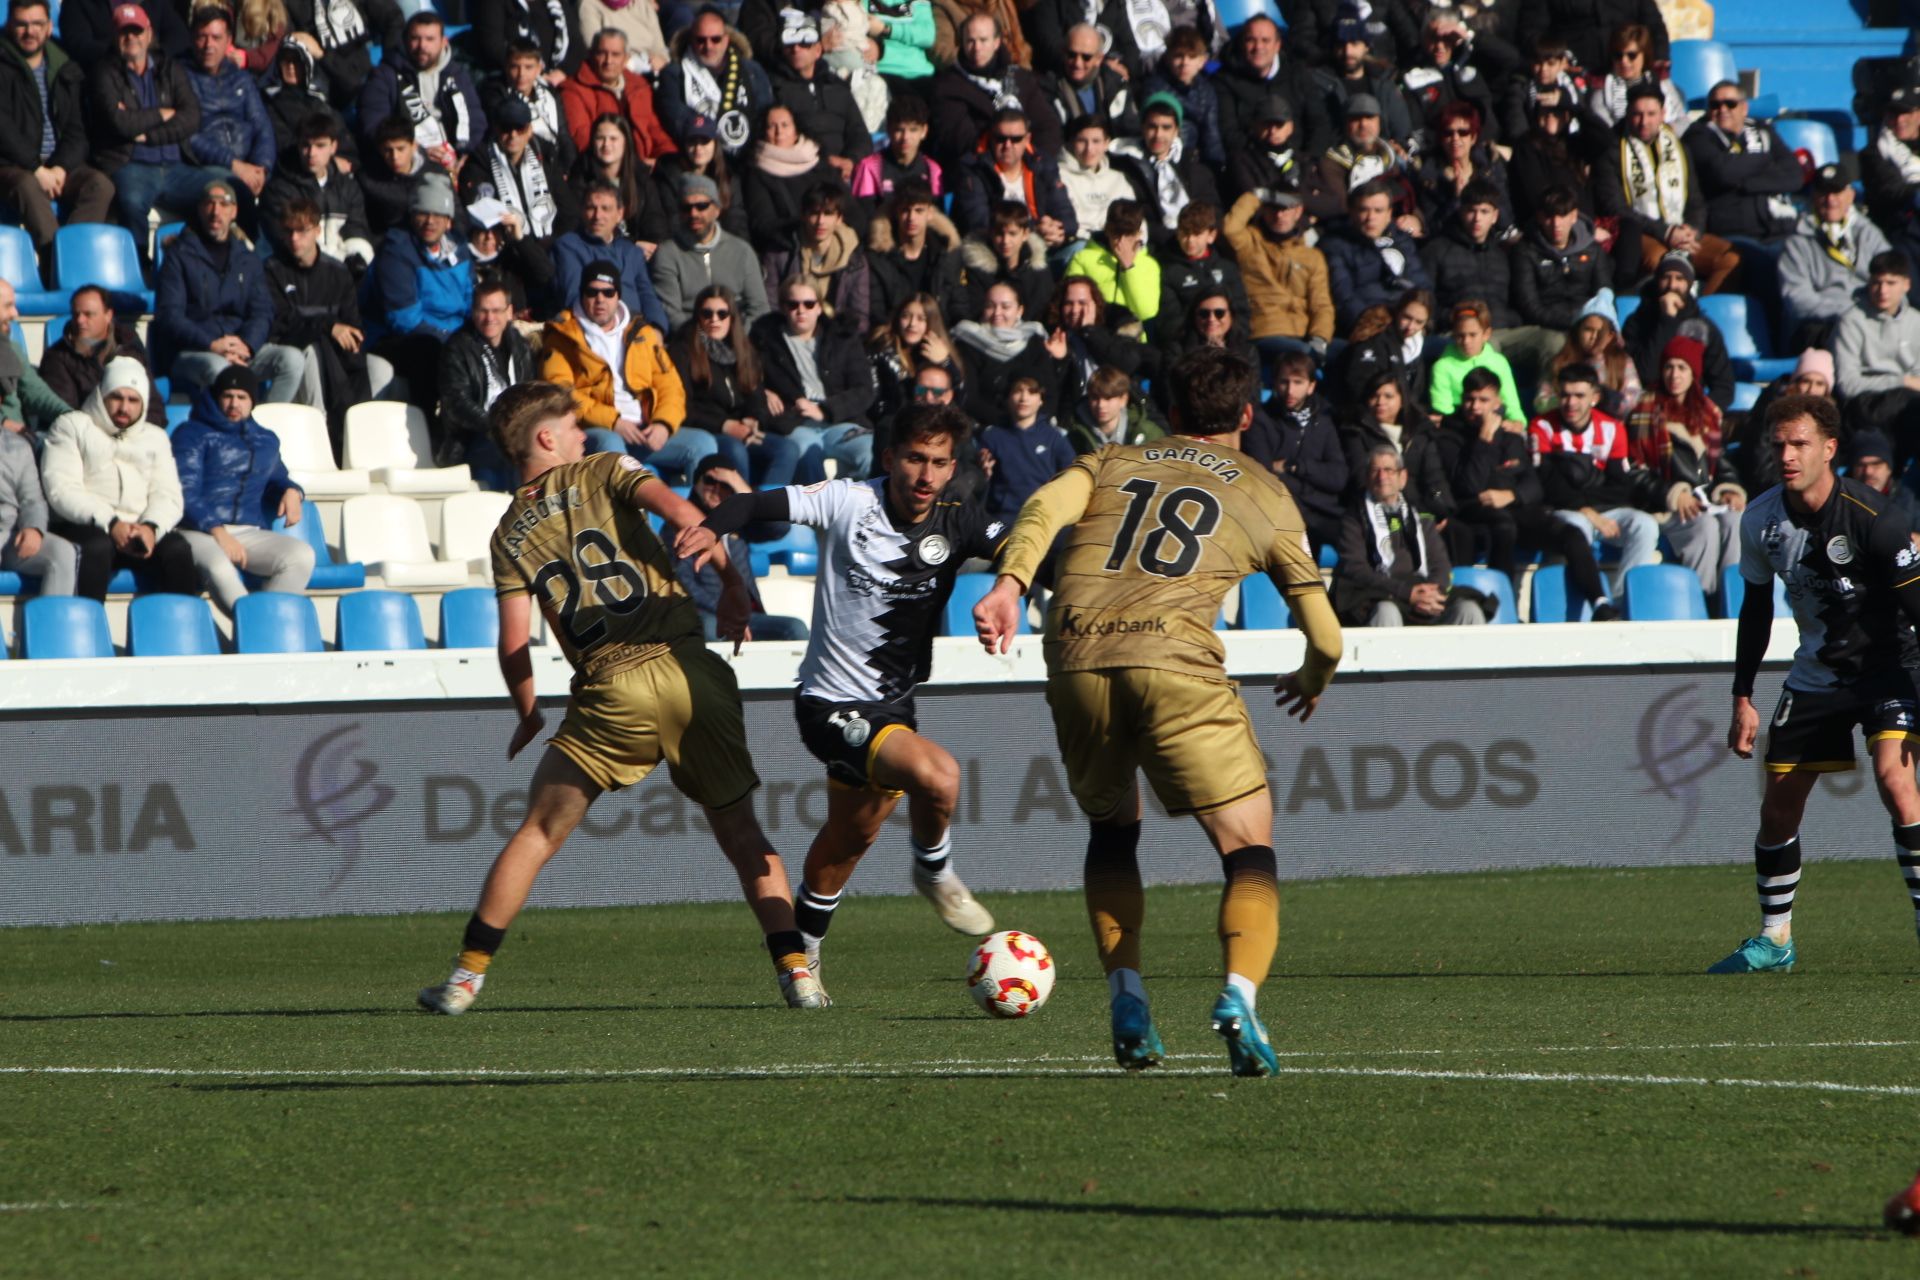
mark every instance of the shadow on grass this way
{"type": "Point", "coordinates": [1201, 1213]}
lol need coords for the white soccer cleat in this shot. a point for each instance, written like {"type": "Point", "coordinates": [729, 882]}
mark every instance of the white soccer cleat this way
{"type": "Point", "coordinates": [956, 905]}
{"type": "Point", "coordinates": [802, 990]}
{"type": "Point", "coordinates": [454, 996]}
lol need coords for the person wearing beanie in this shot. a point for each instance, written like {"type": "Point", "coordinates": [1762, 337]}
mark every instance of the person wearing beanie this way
{"type": "Point", "coordinates": [1827, 260]}
{"type": "Point", "coordinates": [1667, 310]}
{"type": "Point", "coordinates": [420, 289]}
{"type": "Point", "coordinates": [113, 491]}
{"type": "Point", "coordinates": [233, 485]}
{"type": "Point", "coordinates": [1876, 356]}
{"type": "Point", "coordinates": [1352, 69]}
{"type": "Point", "coordinates": [1595, 339]}
{"type": "Point", "coordinates": [1870, 461]}
{"type": "Point", "coordinates": [1684, 475]}
{"type": "Point", "coordinates": [703, 253]}
{"type": "Point", "coordinates": [1645, 177]}
{"type": "Point", "coordinates": [1165, 173]}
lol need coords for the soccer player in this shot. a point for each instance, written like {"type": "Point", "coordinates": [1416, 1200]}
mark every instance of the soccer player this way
{"type": "Point", "coordinates": [889, 552]}
{"type": "Point", "coordinates": [1136, 677]}
{"type": "Point", "coordinates": [1853, 582]}
{"type": "Point", "coordinates": [647, 687]}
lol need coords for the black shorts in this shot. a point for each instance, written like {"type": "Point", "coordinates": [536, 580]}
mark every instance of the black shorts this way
{"type": "Point", "coordinates": [844, 735]}
{"type": "Point", "coordinates": [1813, 731]}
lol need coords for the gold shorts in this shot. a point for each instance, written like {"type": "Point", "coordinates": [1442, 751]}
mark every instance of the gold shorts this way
{"type": "Point", "coordinates": [682, 707]}
{"type": "Point", "coordinates": [1191, 736]}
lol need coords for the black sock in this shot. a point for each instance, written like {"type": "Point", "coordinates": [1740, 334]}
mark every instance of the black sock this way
{"type": "Point", "coordinates": [785, 943]}
{"type": "Point", "coordinates": [482, 936]}
{"type": "Point", "coordinates": [813, 911]}
{"type": "Point", "coordinates": [1776, 875]}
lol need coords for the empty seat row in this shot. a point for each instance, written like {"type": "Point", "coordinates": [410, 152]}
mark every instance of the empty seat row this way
{"type": "Point", "coordinates": [98, 253]}
{"type": "Point", "coordinates": [386, 443]}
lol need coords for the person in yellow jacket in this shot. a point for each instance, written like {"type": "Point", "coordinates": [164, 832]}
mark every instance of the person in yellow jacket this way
{"type": "Point", "coordinates": [625, 389]}
{"type": "Point", "coordinates": [1286, 277]}
{"type": "Point", "coordinates": [1122, 269]}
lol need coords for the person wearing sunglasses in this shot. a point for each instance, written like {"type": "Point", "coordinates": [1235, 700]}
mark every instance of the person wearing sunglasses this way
{"type": "Point", "coordinates": [1592, 28]}
{"type": "Point", "coordinates": [727, 394]}
{"type": "Point", "coordinates": [824, 385]}
{"type": "Point", "coordinates": [1630, 64]}
{"type": "Point", "coordinates": [701, 252]}
{"type": "Point", "coordinates": [988, 76]}
{"type": "Point", "coordinates": [1462, 159]}
{"type": "Point", "coordinates": [1009, 161]}
{"type": "Point", "coordinates": [1089, 83]}
{"type": "Point", "coordinates": [1746, 173]}
{"type": "Point", "coordinates": [1445, 72]}
{"type": "Point", "coordinates": [1647, 178]}
{"type": "Point", "coordinates": [712, 74]}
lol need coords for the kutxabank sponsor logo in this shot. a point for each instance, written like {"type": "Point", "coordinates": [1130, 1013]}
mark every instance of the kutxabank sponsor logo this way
{"type": "Point", "coordinates": [336, 793]}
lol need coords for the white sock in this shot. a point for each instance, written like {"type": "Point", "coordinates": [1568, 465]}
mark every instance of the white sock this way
{"type": "Point", "coordinates": [1778, 929]}
{"type": "Point", "coordinates": [1249, 989]}
{"type": "Point", "coordinates": [1126, 982]}
{"type": "Point", "coordinates": [477, 980]}
{"type": "Point", "coordinates": [935, 859]}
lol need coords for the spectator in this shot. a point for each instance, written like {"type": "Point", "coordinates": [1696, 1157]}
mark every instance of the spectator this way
{"type": "Point", "coordinates": [292, 90]}
{"type": "Point", "coordinates": [727, 395]}
{"type": "Point", "coordinates": [112, 488]}
{"type": "Point", "coordinates": [1091, 178]}
{"type": "Point", "coordinates": [701, 253]}
{"type": "Point", "coordinates": [1648, 182]}
{"type": "Point", "coordinates": [1110, 413]}
{"type": "Point", "coordinates": [1629, 67]}
{"type": "Point", "coordinates": [1500, 491]}
{"type": "Point", "coordinates": [1298, 443]}
{"type": "Point", "coordinates": [625, 389]}
{"type": "Point", "coordinates": [235, 133]}
{"type": "Point", "coordinates": [317, 313]}
{"type": "Point", "coordinates": [1554, 154]}
{"type": "Point", "coordinates": [930, 384]}
{"type": "Point", "coordinates": [609, 157]}
{"type": "Point", "coordinates": [422, 289]}
{"type": "Point", "coordinates": [551, 29]}
{"type": "Point", "coordinates": [1024, 451]}
{"type": "Point", "coordinates": [1003, 345]}
{"type": "Point", "coordinates": [1119, 264]}
{"type": "Point", "coordinates": [1557, 265]}
{"type": "Point", "coordinates": [981, 85]}
{"type": "Point", "coordinates": [90, 29]}
{"type": "Point", "coordinates": [233, 486]}
{"type": "Point", "coordinates": [1362, 156]}
{"type": "Point", "coordinates": [258, 28]}
{"type": "Point", "coordinates": [1825, 264]}
{"type": "Point", "coordinates": [484, 357]}
{"type": "Point", "coordinates": [713, 74]}
{"type": "Point", "coordinates": [826, 253]}
{"type": "Point", "coordinates": [519, 171]}
{"type": "Point", "coordinates": [1549, 71]}
{"type": "Point", "coordinates": [877, 43]}
{"type": "Point", "coordinates": [26, 548]}
{"type": "Point", "coordinates": [1007, 251]}
{"type": "Point", "coordinates": [1460, 162]}
{"type": "Point", "coordinates": [1585, 469]}
{"type": "Point", "coordinates": [786, 165]}
{"type": "Point", "coordinates": [143, 109]}
{"type": "Point", "coordinates": [348, 31]}
{"type": "Point", "coordinates": [1050, 24]}
{"type": "Point", "coordinates": [879, 174]}
{"type": "Point", "coordinates": [1182, 76]}
{"type": "Point", "coordinates": [212, 307]}
{"type": "Point", "coordinates": [314, 174]}
{"type": "Point", "coordinates": [27, 403]}
{"type": "Point", "coordinates": [1667, 310]}
{"type": "Point", "coordinates": [1595, 340]}
{"type": "Point", "coordinates": [639, 23]}
{"type": "Point", "coordinates": [915, 338]}
{"type": "Point", "coordinates": [606, 84]}
{"type": "Point", "coordinates": [1085, 85]}
{"type": "Point", "coordinates": [1208, 321]}
{"type": "Point", "coordinates": [1890, 168]}
{"type": "Point", "coordinates": [93, 337]}
{"type": "Point", "coordinates": [915, 250]}
{"type": "Point", "coordinates": [823, 383]}
{"type": "Point", "coordinates": [1746, 173]}
{"type": "Point", "coordinates": [699, 156]}
{"type": "Point", "coordinates": [1682, 468]}
{"type": "Point", "coordinates": [1353, 72]}
{"type": "Point", "coordinates": [1870, 462]}
{"type": "Point", "coordinates": [822, 105]}
{"type": "Point", "coordinates": [502, 248]}
{"type": "Point", "coordinates": [1445, 75]}
{"type": "Point", "coordinates": [1287, 279]}
{"type": "Point", "coordinates": [1388, 338]}
{"type": "Point", "coordinates": [1875, 346]}
{"type": "Point", "coordinates": [1166, 176]}
{"type": "Point", "coordinates": [433, 91]}
{"type": "Point", "coordinates": [1370, 261]}
{"type": "Point", "coordinates": [394, 173]}
{"type": "Point", "coordinates": [43, 151]}
{"type": "Point", "coordinates": [1268, 160]}
{"type": "Point", "coordinates": [1586, 25]}
{"type": "Point", "coordinates": [1008, 162]}
{"type": "Point", "coordinates": [1394, 570]}
{"type": "Point", "coordinates": [1255, 71]}
{"type": "Point", "coordinates": [1471, 348]}
{"type": "Point", "coordinates": [1192, 267]}
{"type": "Point", "coordinates": [1098, 333]}
{"type": "Point", "coordinates": [1467, 259]}
{"type": "Point", "coordinates": [1385, 417]}
{"type": "Point", "coordinates": [713, 483]}
{"type": "Point", "coordinates": [1754, 457]}
{"type": "Point", "coordinates": [528, 81]}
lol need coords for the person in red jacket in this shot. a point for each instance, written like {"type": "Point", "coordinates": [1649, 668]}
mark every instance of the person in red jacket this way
{"type": "Point", "coordinates": [604, 86]}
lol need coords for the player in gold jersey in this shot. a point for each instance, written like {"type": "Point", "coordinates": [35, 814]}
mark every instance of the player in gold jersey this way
{"type": "Point", "coordinates": [646, 687]}
{"type": "Point", "coordinates": [1136, 677]}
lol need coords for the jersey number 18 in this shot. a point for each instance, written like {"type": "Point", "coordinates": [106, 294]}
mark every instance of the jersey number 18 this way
{"type": "Point", "coordinates": [1186, 515]}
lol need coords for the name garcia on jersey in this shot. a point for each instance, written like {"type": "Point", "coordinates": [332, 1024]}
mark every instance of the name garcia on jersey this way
{"type": "Point", "coordinates": [1228, 469]}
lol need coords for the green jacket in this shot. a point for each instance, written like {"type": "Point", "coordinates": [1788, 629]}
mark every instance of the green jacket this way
{"type": "Point", "coordinates": [1452, 368]}
{"type": "Point", "coordinates": [24, 395]}
{"type": "Point", "coordinates": [904, 48]}
{"type": "Point", "coordinates": [1143, 425]}
{"type": "Point", "coordinates": [1137, 288]}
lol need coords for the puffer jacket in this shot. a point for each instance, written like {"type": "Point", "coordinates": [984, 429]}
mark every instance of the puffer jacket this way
{"type": "Point", "coordinates": [409, 292]}
{"type": "Point", "coordinates": [1357, 273]}
{"type": "Point", "coordinates": [1287, 281]}
{"type": "Point", "coordinates": [1551, 286]}
{"type": "Point", "coordinates": [982, 270]}
{"type": "Point", "coordinates": [196, 302]}
{"type": "Point", "coordinates": [1463, 271]}
{"type": "Point", "coordinates": [230, 472]}
{"type": "Point", "coordinates": [234, 124]}
{"type": "Point", "coordinates": [976, 188]}
{"type": "Point", "coordinates": [96, 474]}
{"type": "Point", "coordinates": [457, 103]}
{"type": "Point", "coordinates": [650, 374]}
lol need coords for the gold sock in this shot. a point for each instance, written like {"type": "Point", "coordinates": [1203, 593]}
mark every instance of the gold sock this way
{"type": "Point", "coordinates": [474, 961]}
{"type": "Point", "coordinates": [790, 961]}
{"type": "Point", "coordinates": [1250, 920]}
{"type": "Point", "coordinates": [1117, 906]}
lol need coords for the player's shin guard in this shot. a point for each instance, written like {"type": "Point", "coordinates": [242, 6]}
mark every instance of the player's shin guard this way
{"type": "Point", "coordinates": [479, 944]}
{"type": "Point", "coordinates": [1906, 849]}
{"type": "Point", "coordinates": [1250, 916]}
{"type": "Point", "coordinates": [1776, 877]}
{"type": "Point", "coordinates": [1116, 904]}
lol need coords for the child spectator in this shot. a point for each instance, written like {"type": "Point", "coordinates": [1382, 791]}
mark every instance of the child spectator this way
{"type": "Point", "coordinates": [1024, 453]}
{"type": "Point", "coordinates": [1472, 326]}
{"type": "Point", "coordinates": [1111, 414]}
{"type": "Point", "coordinates": [875, 177]}
{"type": "Point", "coordinates": [1199, 270]}
{"type": "Point", "coordinates": [1122, 268]}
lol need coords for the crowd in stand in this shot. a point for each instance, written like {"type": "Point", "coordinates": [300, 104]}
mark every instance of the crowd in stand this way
{"type": "Point", "coordinates": [747, 236]}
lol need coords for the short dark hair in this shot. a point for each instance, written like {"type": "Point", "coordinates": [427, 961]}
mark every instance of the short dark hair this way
{"type": "Point", "coordinates": [300, 212]}
{"type": "Point", "coordinates": [1293, 364]}
{"type": "Point", "coordinates": [1556, 201]}
{"type": "Point", "coordinates": [1198, 216]}
{"type": "Point", "coordinates": [1481, 379]}
{"type": "Point", "coordinates": [488, 283]}
{"type": "Point", "coordinates": [1367, 190]}
{"type": "Point", "coordinates": [1080, 124]}
{"type": "Point", "coordinates": [906, 108]}
{"type": "Point", "coordinates": [1550, 46]}
{"type": "Point", "coordinates": [1479, 191]}
{"type": "Point", "coordinates": [521, 408]}
{"type": "Point", "coordinates": [521, 47]}
{"type": "Point", "coordinates": [1578, 371]}
{"type": "Point", "coordinates": [426, 18]}
{"type": "Point", "coordinates": [1125, 218]}
{"type": "Point", "coordinates": [1824, 412]}
{"type": "Point", "coordinates": [208, 14]}
{"type": "Point", "coordinates": [1892, 262]}
{"type": "Point", "coordinates": [1645, 89]}
{"type": "Point", "coordinates": [602, 187]}
{"type": "Point", "coordinates": [106, 299]}
{"type": "Point", "coordinates": [1008, 115]}
{"type": "Point", "coordinates": [1187, 40]}
{"type": "Point", "coordinates": [926, 421]}
{"type": "Point", "coordinates": [397, 127]}
{"type": "Point", "coordinates": [908, 194]}
{"type": "Point", "coordinates": [321, 124]}
{"type": "Point", "coordinates": [823, 198]}
{"type": "Point", "coordinates": [1009, 213]}
{"type": "Point", "coordinates": [1211, 389]}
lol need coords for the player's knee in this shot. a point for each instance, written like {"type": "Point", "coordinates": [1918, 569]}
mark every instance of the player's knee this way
{"type": "Point", "coordinates": [1110, 843]}
{"type": "Point", "coordinates": [936, 776]}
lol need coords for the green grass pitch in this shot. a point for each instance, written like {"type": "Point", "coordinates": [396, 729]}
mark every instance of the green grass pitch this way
{"type": "Point", "coordinates": [1484, 1075]}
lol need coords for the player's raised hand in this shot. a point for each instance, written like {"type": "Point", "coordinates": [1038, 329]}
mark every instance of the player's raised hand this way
{"type": "Point", "coordinates": [996, 619]}
{"type": "Point", "coordinates": [526, 731]}
{"type": "Point", "coordinates": [1291, 697]}
{"type": "Point", "coordinates": [1744, 730]}
{"type": "Point", "coordinates": [698, 541]}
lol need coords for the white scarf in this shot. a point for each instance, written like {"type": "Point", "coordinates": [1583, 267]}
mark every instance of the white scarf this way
{"type": "Point", "coordinates": [559, 17]}
{"type": "Point", "coordinates": [1656, 187]}
{"type": "Point", "coordinates": [548, 120]}
{"type": "Point", "coordinates": [1899, 154]}
{"type": "Point", "coordinates": [1149, 20]}
{"type": "Point", "coordinates": [499, 370]}
{"type": "Point", "coordinates": [1171, 191]}
{"type": "Point", "coordinates": [999, 344]}
{"type": "Point", "coordinates": [706, 97]}
{"type": "Point", "coordinates": [995, 88]}
{"type": "Point", "coordinates": [338, 23]}
{"type": "Point", "coordinates": [536, 207]}
{"type": "Point", "coordinates": [429, 131]}
{"type": "Point", "coordinates": [1385, 522]}
{"type": "Point", "coordinates": [1755, 141]}
{"type": "Point", "coordinates": [1396, 261]}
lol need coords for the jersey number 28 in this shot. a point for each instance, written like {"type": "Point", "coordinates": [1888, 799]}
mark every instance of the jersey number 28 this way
{"type": "Point", "coordinates": [600, 573]}
{"type": "Point", "coordinates": [1185, 516]}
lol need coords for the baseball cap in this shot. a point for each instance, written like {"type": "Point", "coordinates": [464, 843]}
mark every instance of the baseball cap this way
{"type": "Point", "coordinates": [700, 127]}
{"type": "Point", "coordinates": [1275, 110]}
{"type": "Point", "coordinates": [1829, 180]}
{"type": "Point", "coordinates": [131, 15]}
{"type": "Point", "coordinates": [600, 271]}
{"type": "Point", "coordinates": [1362, 104]}
{"type": "Point", "coordinates": [510, 113]}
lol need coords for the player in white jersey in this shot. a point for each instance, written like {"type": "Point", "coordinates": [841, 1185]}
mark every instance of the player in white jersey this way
{"type": "Point", "coordinates": [890, 549]}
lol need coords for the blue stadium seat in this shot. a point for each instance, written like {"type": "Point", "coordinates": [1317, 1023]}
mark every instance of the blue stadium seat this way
{"type": "Point", "coordinates": [1749, 346]}
{"type": "Point", "coordinates": [379, 620]}
{"type": "Point", "coordinates": [102, 253]}
{"type": "Point", "coordinates": [799, 550]}
{"type": "Point", "coordinates": [163, 625]}
{"type": "Point", "coordinates": [469, 619]}
{"type": "Point", "coordinates": [1262, 607]}
{"type": "Point", "coordinates": [1733, 594]}
{"type": "Point", "coordinates": [1493, 583]}
{"type": "Point", "coordinates": [1624, 305]}
{"type": "Point", "coordinates": [20, 267]}
{"type": "Point", "coordinates": [1551, 602]}
{"type": "Point", "coordinates": [1811, 136]}
{"type": "Point", "coordinates": [67, 627]}
{"type": "Point", "coordinates": [276, 622]}
{"type": "Point", "coordinates": [957, 620]}
{"type": "Point", "coordinates": [1664, 593]}
{"type": "Point", "coordinates": [1235, 14]}
{"type": "Point", "coordinates": [11, 583]}
{"type": "Point", "coordinates": [1329, 558]}
{"type": "Point", "coordinates": [177, 414]}
{"type": "Point", "coordinates": [1745, 395]}
{"type": "Point", "coordinates": [328, 574]}
{"type": "Point", "coordinates": [1698, 65]}
{"type": "Point", "coordinates": [167, 231]}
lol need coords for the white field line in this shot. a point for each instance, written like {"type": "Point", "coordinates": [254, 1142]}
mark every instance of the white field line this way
{"type": "Point", "coordinates": [40, 1206]}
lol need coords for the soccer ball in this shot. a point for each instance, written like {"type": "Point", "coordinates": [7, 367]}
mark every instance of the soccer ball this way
{"type": "Point", "coordinates": [1010, 974]}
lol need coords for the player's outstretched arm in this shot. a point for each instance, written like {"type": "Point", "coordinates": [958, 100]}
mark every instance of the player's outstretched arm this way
{"type": "Point", "coordinates": [1749, 648]}
{"type": "Point", "coordinates": [1298, 694]}
{"type": "Point", "coordinates": [733, 515]}
{"type": "Point", "coordinates": [996, 619]}
{"type": "Point", "coordinates": [516, 665]}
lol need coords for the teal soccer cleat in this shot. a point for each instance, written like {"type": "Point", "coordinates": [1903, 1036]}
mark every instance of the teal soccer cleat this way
{"type": "Point", "coordinates": [1246, 1039]}
{"type": "Point", "coordinates": [1758, 955]}
{"type": "Point", "coordinates": [1136, 1045]}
